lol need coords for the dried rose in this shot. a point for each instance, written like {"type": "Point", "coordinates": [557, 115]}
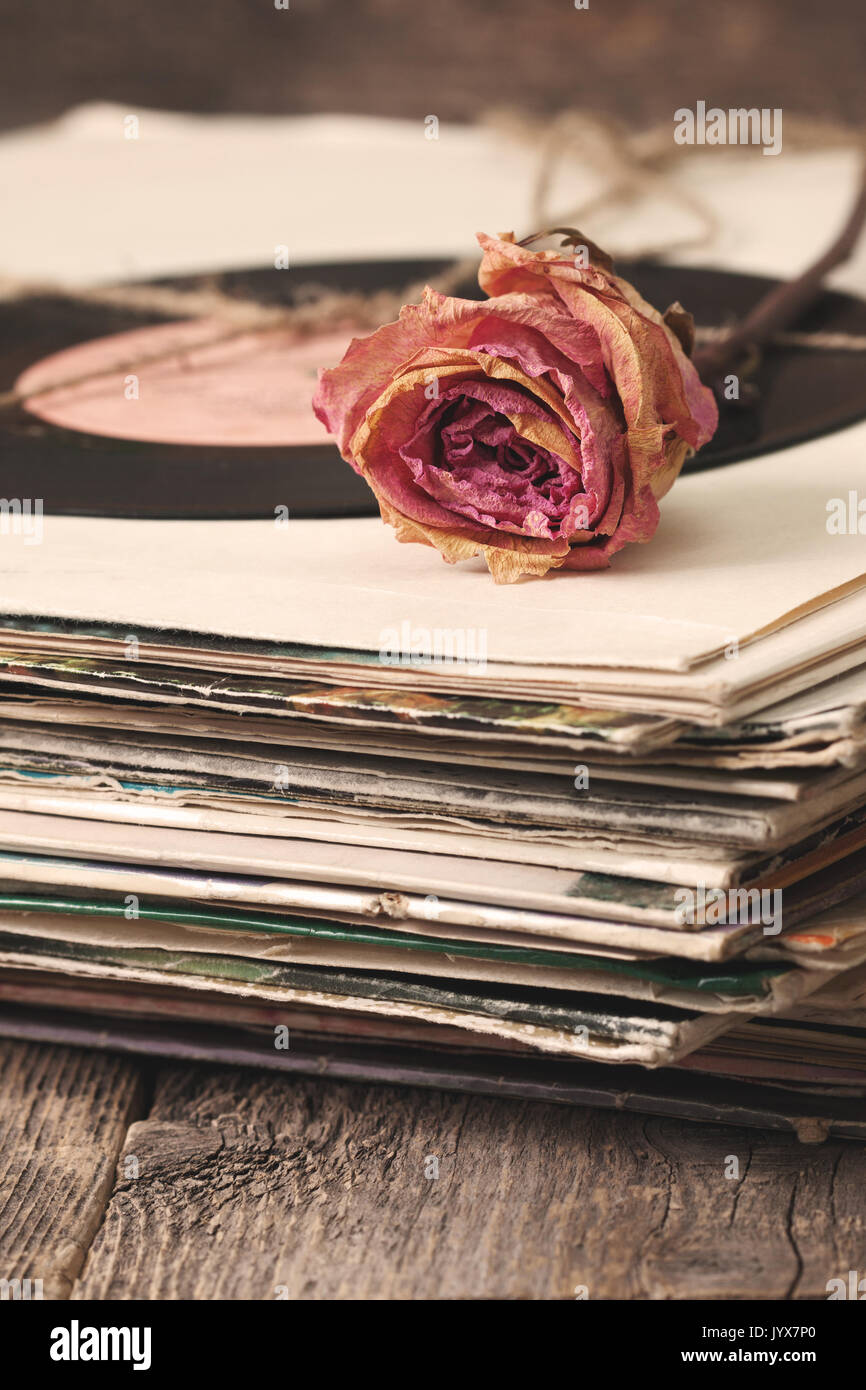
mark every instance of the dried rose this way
{"type": "Point", "coordinates": [538, 427]}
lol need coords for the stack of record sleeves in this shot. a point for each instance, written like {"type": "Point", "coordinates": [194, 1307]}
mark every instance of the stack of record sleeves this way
{"type": "Point", "coordinates": [299, 797]}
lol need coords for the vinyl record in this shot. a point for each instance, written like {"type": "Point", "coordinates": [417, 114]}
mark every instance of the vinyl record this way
{"type": "Point", "coordinates": [228, 431]}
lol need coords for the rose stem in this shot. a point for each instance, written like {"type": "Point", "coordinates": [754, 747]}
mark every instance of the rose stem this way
{"type": "Point", "coordinates": [784, 304]}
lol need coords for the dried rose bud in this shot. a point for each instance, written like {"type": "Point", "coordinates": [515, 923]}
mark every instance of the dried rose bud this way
{"type": "Point", "coordinates": [537, 428]}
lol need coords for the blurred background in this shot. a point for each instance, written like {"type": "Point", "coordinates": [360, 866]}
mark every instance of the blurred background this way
{"type": "Point", "coordinates": [452, 57]}
{"type": "Point", "coordinates": [163, 138]}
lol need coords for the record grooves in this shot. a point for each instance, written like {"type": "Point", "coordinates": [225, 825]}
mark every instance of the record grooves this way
{"type": "Point", "coordinates": [800, 393]}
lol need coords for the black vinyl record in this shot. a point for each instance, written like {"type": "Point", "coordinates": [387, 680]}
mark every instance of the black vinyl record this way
{"type": "Point", "coordinates": [795, 394]}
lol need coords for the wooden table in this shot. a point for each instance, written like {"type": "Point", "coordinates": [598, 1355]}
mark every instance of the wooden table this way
{"type": "Point", "coordinates": [127, 1179]}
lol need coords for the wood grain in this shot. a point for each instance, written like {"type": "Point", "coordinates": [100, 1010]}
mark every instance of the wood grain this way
{"type": "Point", "coordinates": [258, 1187]}
{"type": "Point", "coordinates": [63, 1116]}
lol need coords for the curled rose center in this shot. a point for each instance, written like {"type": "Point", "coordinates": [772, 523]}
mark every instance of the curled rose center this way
{"type": "Point", "coordinates": [468, 453]}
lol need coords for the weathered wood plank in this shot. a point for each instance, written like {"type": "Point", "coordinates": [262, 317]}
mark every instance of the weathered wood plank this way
{"type": "Point", "coordinates": [789, 1223]}
{"type": "Point", "coordinates": [64, 1113]}
{"type": "Point", "coordinates": [249, 1185]}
